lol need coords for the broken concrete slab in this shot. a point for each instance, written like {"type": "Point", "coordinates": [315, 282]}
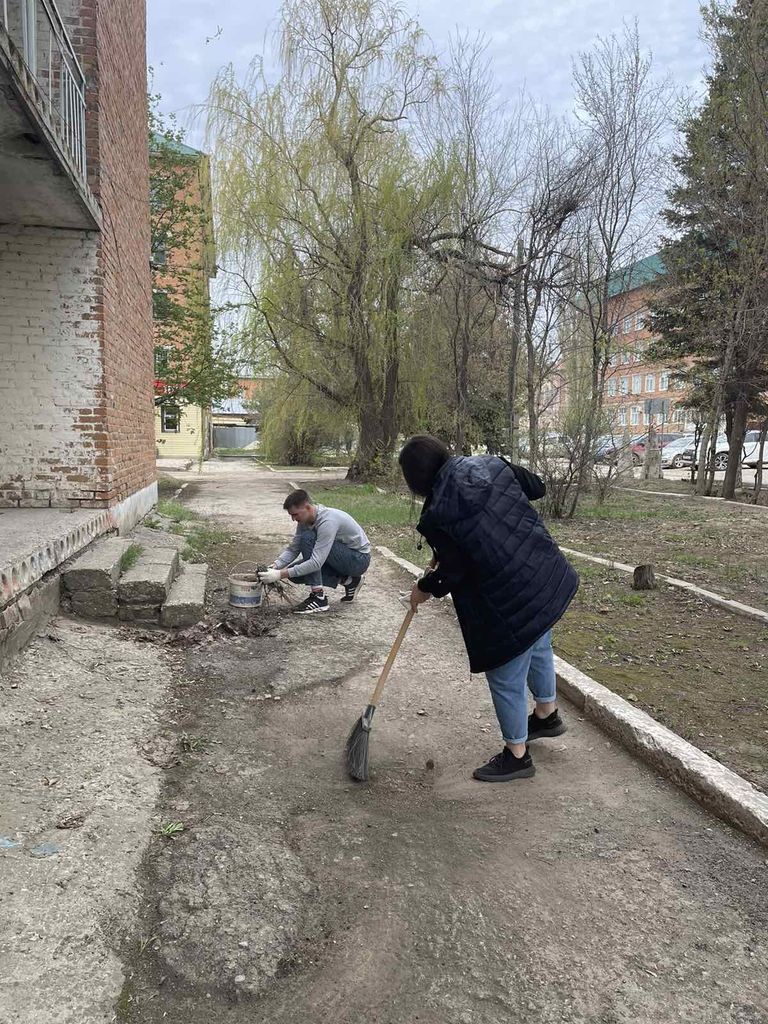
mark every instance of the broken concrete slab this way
{"type": "Point", "coordinates": [94, 604]}
{"type": "Point", "coordinates": [149, 580]}
{"type": "Point", "coordinates": [186, 602]}
{"type": "Point", "coordinates": [98, 568]}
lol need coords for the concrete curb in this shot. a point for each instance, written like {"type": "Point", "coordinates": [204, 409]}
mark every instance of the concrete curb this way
{"type": "Point", "coordinates": [737, 607]}
{"type": "Point", "coordinates": [710, 783]}
{"type": "Point", "coordinates": [697, 497]}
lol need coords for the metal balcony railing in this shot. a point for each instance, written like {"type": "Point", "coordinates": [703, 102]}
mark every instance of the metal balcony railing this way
{"type": "Point", "coordinates": [37, 32]}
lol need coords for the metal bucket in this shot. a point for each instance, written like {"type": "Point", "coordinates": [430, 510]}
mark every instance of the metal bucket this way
{"type": "Point", "coordinates": [244, 587]}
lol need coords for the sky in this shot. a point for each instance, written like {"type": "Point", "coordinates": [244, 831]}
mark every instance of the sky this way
{"type": "Point", "coordinates": [530, 43]}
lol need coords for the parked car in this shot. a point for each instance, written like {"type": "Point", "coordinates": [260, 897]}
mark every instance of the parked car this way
{"type": "Point", "coordinates": [674, 454]}
{"type": "Point", "coordinates": [662, 440]}
{"type": "Point", "coordinates": [637, 445]}
{"type": "Point", "coordinates": [750, 452]}
{"type": "Point", "coordinates": [607, 448]}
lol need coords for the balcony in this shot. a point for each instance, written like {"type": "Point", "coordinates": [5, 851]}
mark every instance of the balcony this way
{"type": "Point", "coordinates": [43, 172]}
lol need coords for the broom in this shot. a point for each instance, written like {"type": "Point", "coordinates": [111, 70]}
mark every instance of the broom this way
{"type": "Point", "coordinates": [357, 744]}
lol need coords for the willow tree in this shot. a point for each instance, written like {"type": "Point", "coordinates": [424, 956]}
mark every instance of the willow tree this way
{"type": "Point", "coordinates": [320, 197]}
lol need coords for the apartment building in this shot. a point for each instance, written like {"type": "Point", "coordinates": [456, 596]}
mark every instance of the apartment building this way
{"type": "Point", "coordinates": [632, 377]}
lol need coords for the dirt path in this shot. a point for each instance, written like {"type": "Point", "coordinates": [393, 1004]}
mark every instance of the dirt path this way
{"type": "Point", "coordinates": [594, 892]}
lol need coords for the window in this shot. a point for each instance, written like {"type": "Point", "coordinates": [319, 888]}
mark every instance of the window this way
{"type": "Point", "coordinates": [650, 382]}
{"type": "Point", "coordinates": [161, 360]}
{"type": "Point", "coordinates": [625, 357]}
{"type": "Point", "coordinates": [627, 325]}
{"type": "Point", "coordinates": [641, 319]}
{"type": "Point", "coordinates": [679, 385]}
{"type": "Point", "coordinates": [611, 388]}
{"type": "Point", "coordinates": [624, 386]}
{"type": "Point", "coordinates": [614, 360]}
{"type": "Point", "coordinates": [637, 384]}
{"type": "Point", "coordinates": [664, 381]}
{"type": "Point", "coordinates": [635, 416]}
{"type": "Point", "coordinates": [679, 414]}
{"type": "Point", "coordinates": [622, 417]}
{"type": "Point", "coordinates": [170, 418]}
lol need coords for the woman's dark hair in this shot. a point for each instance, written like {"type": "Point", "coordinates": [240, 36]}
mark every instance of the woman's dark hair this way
{"type": "Point", "coordinates": [421, 460]}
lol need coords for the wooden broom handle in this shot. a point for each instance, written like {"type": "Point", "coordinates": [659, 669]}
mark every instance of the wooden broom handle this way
{"type": "Point", "coordinates": [392, 655]}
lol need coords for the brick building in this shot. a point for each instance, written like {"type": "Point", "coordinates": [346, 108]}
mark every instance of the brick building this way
{"type": "Point", "coordinates": [632, 377]}
{"type": "Point", "coordinates": [76, 419]}
{"type": "Point", "coordinates": [184, 430]}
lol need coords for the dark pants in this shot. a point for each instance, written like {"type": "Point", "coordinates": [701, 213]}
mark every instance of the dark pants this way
{"type": "Point", "coordinates": [341, 562]}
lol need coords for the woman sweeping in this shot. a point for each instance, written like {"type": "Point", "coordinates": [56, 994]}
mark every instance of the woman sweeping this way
{"type": "Point", "coordinates": [509, 581]}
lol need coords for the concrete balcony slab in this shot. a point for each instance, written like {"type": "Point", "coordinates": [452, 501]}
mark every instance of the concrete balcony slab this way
{"type": "Point", "coordinates": [34, 541]}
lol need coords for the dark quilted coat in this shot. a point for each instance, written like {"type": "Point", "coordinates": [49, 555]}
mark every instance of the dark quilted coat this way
{"type": "Point", "coordinates": [509, 581]}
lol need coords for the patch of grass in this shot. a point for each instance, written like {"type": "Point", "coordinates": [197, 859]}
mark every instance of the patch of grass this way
{"type": "Point", "coordinates": [700, 561]}
{"type": "Point", "coordinates": [193, 744]}
{"type": "Point", "coordinates": [368, 505]}
{"type": "Point", "coordinates": [151, 523]}
{"type": "Point", "coordinates": [129, 557]}
{"type": "Point", "coordinates": [632, 600]}
{"type": "Point", "coordinates": [246, 452]}
{"type": "Point", "coordinates": [166, 486]}
{"type": "Point", "coordinates": [202, 540]}
{"type": "Point", "coordinates": [176, 511]}
{"type": "Point", "coordinates": [170, 829]}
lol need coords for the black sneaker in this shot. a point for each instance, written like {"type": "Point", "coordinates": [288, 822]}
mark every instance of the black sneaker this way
{"type": "Point", "coordinates": [505, 766]}
{"type": "Point", "coordinates": [541, 728]}
{"type": "Point", "coordinates": [351, 588]}
{"type": "Point", "coordinates": [314, 603]}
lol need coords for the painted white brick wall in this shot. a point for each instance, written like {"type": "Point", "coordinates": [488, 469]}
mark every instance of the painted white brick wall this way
{"type": "Point", "coordinates": [50, 366]}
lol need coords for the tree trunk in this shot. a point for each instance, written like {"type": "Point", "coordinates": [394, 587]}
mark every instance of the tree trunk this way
{"type": "Point", "coordinates": [735, 446]}
{"type": "Point", "coordinates": [644, 578]}
{"type": "Point", "coordinates": [517, 319]}
{"type": "Point", "coordinates": [760, 456]}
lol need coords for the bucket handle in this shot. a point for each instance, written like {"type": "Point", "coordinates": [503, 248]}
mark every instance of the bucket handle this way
{"type": "Point", "coordinates": [246, 562]}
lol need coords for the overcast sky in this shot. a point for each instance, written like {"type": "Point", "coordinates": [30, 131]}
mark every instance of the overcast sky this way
{"type": "Point", "coordinates": [531, 43]}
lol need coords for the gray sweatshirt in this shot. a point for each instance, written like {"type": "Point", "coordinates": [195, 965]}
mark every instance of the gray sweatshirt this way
{"type": "Point", "coordinates": [330, 524]}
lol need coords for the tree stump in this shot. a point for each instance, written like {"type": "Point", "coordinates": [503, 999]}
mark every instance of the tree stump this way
{"type": "Point", "coordinates": [644, 578]}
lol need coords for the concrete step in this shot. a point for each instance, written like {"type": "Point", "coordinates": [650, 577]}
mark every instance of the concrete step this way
{"type": "Point", "coordinates": [98, 568]}
{"type": "Point", "coordinates": [146, 584]}
{"type": "Point", "coordinates": [186, 602]}
{"type": "Point", "coordinates": [91, 579]}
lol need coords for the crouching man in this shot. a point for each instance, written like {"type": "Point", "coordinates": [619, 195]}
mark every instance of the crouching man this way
{"type": "Point", "coordinates": [328, 548]}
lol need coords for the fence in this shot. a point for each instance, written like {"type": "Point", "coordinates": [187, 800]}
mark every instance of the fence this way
{"type": "Point", "coordinates": [38, 35]}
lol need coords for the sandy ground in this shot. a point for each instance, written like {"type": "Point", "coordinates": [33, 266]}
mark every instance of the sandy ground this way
{"type": "Point", "coordinates": [592, 892]}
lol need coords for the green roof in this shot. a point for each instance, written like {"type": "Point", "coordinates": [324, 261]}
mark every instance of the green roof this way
{"type": "Point", "coordinates": [161, 142]}
{"type": "Point", "coordinates": [636, 274]}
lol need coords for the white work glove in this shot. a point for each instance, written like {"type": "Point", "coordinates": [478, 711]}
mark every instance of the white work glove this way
{"type": "Point", "coordinates": [269, 576]}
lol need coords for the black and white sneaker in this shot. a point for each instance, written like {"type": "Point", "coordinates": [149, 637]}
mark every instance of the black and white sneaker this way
{"type": "Point", "coordinates": [352, 588]}
{"type": "Point", "coordinates": [505, 766]}
{"type": "Point", "coordinates": [314, 603]}
{"type": "Point", "coordinates": [545, 728]}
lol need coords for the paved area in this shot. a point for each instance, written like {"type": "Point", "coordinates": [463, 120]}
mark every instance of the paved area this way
{"type": "Point", "coordinates": [593, 892]}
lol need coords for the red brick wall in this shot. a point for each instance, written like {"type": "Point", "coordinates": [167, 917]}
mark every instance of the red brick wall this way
{"type": "Point", "coordinates": [110, 39]}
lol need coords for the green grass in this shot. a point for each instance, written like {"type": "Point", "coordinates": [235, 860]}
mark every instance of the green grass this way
{"type": "Point", "coordinates": [368, 505]}
{"type": "Point", "coordinates": [129, 556]}
{"type": "Point", "coordinates": [176, 511]}
{"type": "Point", "coordinates": [166, 486]}
{"type": "Point", "coordinates": [389, 519]}
{"type": "Point", "coordinates": [252, 453]}
{"type": "Point", "coordinates": [202, 539]}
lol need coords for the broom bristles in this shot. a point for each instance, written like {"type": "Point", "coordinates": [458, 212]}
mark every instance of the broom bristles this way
{"type": "Point", "coordinates": [357, 752]}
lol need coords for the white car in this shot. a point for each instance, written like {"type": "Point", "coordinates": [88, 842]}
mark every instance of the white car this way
{"type": "Point", "coordinates": [750, 452]}
{"type": "Point", "coordinates": [673, 453]}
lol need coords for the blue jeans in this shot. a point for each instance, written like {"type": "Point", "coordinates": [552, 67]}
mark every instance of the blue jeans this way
{"type": "Point", "coordinates": [536, 667]}
{"type": "Point", "coordinates": [341, 562]}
